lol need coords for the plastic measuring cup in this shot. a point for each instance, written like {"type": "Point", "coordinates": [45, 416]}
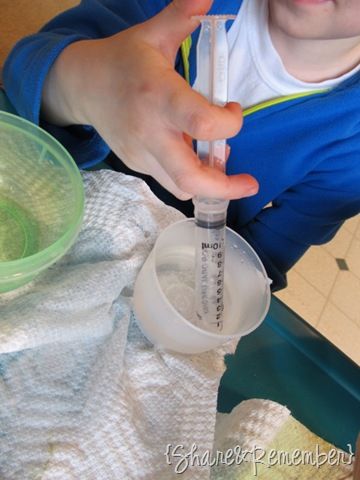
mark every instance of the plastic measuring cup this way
{"type": "Point", "coordinates": [164, 297]}
{"type": "Point", "coordinates": [41, 201]}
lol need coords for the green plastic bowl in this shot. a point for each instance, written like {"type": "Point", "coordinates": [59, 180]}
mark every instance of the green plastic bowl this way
{"type": "Point", "coordinates": [41, 201]}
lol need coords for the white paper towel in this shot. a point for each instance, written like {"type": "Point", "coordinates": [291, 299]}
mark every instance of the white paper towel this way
{"type": "Point", "coordinates": [83, 395]}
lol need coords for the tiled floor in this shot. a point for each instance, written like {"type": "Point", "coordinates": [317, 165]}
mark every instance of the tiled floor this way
{"type": "Point", "coordinates": [322, 293]}
{"type": "Point", "coordinates": [324, 289]}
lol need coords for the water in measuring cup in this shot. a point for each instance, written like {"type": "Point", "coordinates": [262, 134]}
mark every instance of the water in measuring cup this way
{"type": "Point", "coordinates": [176, 275]}
{"type": "Point", "coordinates": [19, 232]}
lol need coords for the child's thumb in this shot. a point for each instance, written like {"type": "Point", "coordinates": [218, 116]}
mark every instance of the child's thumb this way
{"type": "Point", "coordinates": [173, 24]}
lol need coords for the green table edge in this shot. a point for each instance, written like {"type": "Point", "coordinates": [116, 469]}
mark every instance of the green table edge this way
{"type": "Point", "coordinates": [5, 103]}
{"type": "Point", "coordinates": [288, 361]}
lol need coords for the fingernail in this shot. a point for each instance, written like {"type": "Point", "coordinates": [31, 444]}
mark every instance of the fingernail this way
{"type": "Point", "coordinates": [252, 191]}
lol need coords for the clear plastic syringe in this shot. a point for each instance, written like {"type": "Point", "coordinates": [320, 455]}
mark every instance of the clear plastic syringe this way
{"type": "Point", "coordinates": [210, 213]}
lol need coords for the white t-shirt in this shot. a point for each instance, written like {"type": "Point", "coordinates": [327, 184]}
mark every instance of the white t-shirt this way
{"type": "Point", "coordinates": [256, 72]}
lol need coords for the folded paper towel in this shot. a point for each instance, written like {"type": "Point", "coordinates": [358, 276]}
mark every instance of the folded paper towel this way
{"type": "Point", "coordinates": [74, 298]}
{"type": "Point", "coordinates": [269, 444]}
{"type": "Point", "coordinates": [83, 395]}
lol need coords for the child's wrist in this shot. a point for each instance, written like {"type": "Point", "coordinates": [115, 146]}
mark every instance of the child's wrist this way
{"type": "Point", "coordinates": [65, 87]}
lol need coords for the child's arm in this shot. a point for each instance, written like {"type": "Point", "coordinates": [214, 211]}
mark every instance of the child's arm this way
{"type": "Point", "coordinates": [31, 59]}
{"type": "Point", "coordinates": [125, 86]}
{"type": "Point", "coordinates": [309, 213]}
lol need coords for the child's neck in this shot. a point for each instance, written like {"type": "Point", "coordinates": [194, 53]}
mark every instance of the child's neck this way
{"type": "Point", "coordinates": [316, 60]}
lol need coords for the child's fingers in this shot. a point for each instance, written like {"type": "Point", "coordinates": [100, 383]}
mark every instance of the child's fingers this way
{"type": "Point", "coordinates": [191, 113]}
{"type": "Point", "coordinates": [161, 176]}
{"type": "Point", "coordinates": [174, 23]}
{"type": "Point", "coordinates": [189, 141]}
{"type": "Point", "coordinates": [191, 177]}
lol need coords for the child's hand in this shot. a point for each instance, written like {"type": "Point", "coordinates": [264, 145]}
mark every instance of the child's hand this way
{"type": "Point", "coordinates": [127, 88]}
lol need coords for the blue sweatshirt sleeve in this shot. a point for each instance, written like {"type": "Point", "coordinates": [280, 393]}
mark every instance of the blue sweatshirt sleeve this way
{"type": "Point", "coordinates": [310, 213]}
{"type": "Point", "coordinates": [30, 60]}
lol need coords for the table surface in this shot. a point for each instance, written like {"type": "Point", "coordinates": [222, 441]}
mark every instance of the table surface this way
{"type": "Point", "coordinates": [5, 104]}
{"type": "Point", "coordinates": [287, 361]}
